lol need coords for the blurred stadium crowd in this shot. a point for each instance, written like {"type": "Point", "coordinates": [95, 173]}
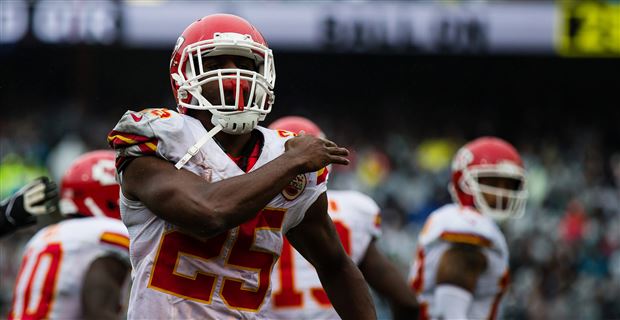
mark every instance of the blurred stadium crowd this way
{"type": "Point", "coordinates": [565, 252]}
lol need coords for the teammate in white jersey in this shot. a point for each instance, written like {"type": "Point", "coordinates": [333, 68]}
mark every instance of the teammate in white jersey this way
{"type": "Point", "coordinates": [207, 194]}
{"type": "Point", "coordinates": [75, 269]}
{"type": "Point", "coordinates": [297, 291]}
{"type": "Point", "coordinates": [461, 267]}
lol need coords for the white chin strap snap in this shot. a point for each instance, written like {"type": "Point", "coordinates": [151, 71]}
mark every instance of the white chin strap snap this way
{"type": "Point", "coordinates": [194, 149]}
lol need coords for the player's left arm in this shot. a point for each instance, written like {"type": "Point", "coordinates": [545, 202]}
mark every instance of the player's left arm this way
{"type": "Point", "coordinates": [457, 275]}
{"type": "Point", "coordinates": [102, 288]}
{"type": "Point", "coordinates": [316, 239]}
{"type": "Point", "coordinates": [40, 197]}
{"type": "Point", "coordinates": [385, 278]}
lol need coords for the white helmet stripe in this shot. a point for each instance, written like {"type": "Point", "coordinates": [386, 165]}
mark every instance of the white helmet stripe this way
{"type": "Point", "coordinates": [93, 207]}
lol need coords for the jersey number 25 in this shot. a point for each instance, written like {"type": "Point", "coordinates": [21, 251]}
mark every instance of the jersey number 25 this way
{"type": "Point", "coordinates": [243, 255]}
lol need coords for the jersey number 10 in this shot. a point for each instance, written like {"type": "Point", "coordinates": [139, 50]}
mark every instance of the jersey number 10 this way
{"type": "Point", "coordinates": [36, 282]}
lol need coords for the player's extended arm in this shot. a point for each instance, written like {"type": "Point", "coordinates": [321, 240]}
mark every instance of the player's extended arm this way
{"type": "Point", "coordinates": [206, 209]}
{"type": "Point", "coordinates": [102, 288]}
{"type": "Point", "coordinates": [457, 275]}
{"type": "Point", "coordinates": [385, 278]}
{"type": "Point", "coordinates": [39, 197]}
{"type": "Point", "coordinates": [316, 239]}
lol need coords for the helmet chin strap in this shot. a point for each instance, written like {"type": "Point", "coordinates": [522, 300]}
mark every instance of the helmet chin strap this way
{"type": "Point", "coordinates": [221, 122]}
{"type": "Point", "coordinates": [194, 149]}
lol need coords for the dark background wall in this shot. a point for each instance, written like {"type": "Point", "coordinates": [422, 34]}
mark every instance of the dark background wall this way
{"type": "Point", "coordinates": [507, 95]}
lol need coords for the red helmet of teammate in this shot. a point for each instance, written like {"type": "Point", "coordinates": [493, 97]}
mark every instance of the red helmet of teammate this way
{"type": "Point", "coordinates": [89, 186]}
{"type": "Point", "coordinates": [216, 35]}
{"type": "Point", "coordinates": [494, 158]}
{"type": "Point", "coordinates": [297, 124]}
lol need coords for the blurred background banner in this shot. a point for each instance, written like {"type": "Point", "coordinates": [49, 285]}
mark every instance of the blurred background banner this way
{"type": "Point", "coordinates": [402, 84]}
{"type": "Point", "coordinates": [367, 26]}
{"type": "Point", "coordinates": [572, 28]}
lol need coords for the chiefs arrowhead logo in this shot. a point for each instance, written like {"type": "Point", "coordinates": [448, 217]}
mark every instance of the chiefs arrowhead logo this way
{"type": "Point", "coordinates": [295, 188]}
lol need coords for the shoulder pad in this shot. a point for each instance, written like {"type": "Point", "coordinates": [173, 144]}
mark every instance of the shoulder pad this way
{"type": "Point", "coordinates": [138, 133]}
{"type": "Point", "coordinates": [358, 209]}
{"type": "Point", "coordinates": [371, 211]}
{"type": "Point", "coordinates": [117, 239]}
{"type": "Point", "coordinates": [453, 224]}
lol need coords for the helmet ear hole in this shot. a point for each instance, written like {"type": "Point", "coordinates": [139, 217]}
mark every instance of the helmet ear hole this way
{"type": "Point", "coordinates": [112, 205]}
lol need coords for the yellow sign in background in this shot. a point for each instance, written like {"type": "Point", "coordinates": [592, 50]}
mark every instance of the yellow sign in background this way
{"type": "Point", "coordinates": [589, 28]}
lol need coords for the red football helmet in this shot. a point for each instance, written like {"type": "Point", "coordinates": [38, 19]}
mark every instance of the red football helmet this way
{"type": "Point", "coordinates": [489, 157]}
{"type": "Point", "coordinates": [216, 35]}
{"type": "Point", "coordinates": [89, 186]}
{"type": "Point", "coordinates": [297, 124]}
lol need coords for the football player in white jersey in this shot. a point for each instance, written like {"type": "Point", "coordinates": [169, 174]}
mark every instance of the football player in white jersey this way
{"type": "Point", "coordinates": [461, 267]}
{"type": "Point", "coordinates": [207, 194]}
{"type": "Point", "coordinates": [75, 269]}
{"type": "Point", "coordinates": [39, 197]}
{"type": "Point", "coordinates": [297, 291]}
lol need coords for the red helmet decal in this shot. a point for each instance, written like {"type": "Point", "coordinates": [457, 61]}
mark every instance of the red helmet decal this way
{"type": "Point", "coordinates": [297, 124]}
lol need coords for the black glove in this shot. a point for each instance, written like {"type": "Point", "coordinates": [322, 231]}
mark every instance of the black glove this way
{"type": "Point", "coordinates": [39, 197]}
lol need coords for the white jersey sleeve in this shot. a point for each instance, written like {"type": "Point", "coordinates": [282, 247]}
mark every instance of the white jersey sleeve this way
{"type": "Point", "coordinates": [160, 132]}
{"type": "Point", "coordinates": [451, 225]}
{"type": "Point", "coordinates": [357, 219]}
{"type": "Point", "coordinates": [226, 276]}
{"type": "Point", "coordinates": [55, 261]}
{"type": "Point", "coordinates": [297, 292]}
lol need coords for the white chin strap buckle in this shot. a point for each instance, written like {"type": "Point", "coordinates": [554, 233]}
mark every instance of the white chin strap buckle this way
{"type": "Point", "coordinates": [193, 150]}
